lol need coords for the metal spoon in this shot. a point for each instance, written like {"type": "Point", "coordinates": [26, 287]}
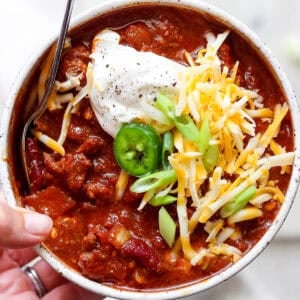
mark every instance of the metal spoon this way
{"type": "Point", "coordinates": [53, 71]}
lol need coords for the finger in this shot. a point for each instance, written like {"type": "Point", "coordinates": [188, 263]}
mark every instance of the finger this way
{"type": "Point", "coordinates": [12, 279]}
{"type": "Point", "coordinates": [71, 291]}
{"type": "Point", "coordinates": [49, 277]}
{"type": "Point", "coordinates": [22, 256]}
{"type": "Point", "coordinates": [26, 295]}
{"type": "Point", "coordinates": [20, 228]}
{"type": "Point", "coordinates": [6, 262]}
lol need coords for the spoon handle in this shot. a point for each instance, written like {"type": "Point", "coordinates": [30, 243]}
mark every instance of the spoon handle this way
{"type": "Point", "coordinates": [50, 82]}
{"type": "Point", "coordinates": [56, 58]}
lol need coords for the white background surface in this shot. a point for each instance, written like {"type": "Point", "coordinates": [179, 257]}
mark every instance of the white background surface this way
{"type": "Point", "coordinates": [26, 25]}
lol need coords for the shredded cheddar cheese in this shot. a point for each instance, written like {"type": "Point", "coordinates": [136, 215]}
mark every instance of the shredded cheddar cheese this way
{"type": "Point", "coordinates": [245, 214]}
{"type": "Point", "coordinates": [209, 90]}
{"type": "Point", "coordinates": [121, 185]}
{"type": "Point", "coordinates": [49, 142]}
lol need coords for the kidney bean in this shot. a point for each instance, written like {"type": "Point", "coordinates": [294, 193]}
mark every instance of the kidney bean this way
{"type": "Point", "coordinates": [35, 164]}
{"type": "Point", "coordinates": [101, 265]}
{"type": "Point", "coordinates": [142, 253]}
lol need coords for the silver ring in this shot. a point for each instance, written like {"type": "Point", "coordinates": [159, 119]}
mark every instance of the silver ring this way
{"type": "Point", "coordinates": [36, 281]}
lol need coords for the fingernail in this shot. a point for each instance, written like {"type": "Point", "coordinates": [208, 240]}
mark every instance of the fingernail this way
{"type": "Point", "coordinates": [37, 224]}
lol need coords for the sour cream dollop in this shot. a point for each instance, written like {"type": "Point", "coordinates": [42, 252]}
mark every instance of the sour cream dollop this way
{"type": "Point", "coordinates": [124, 78]}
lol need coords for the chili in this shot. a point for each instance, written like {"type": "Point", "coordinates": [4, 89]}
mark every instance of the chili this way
{"type": "Point", "coordinates": [78, 190]}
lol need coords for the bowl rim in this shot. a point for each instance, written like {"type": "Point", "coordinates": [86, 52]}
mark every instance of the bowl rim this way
{"type": "Point", "coordinates": [192, 288]}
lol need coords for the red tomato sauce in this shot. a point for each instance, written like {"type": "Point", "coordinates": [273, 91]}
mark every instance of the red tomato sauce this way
{"type": "Point", "coordinates": [78, 190]}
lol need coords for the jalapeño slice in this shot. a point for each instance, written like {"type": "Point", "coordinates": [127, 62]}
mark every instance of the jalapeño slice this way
{"type": "Point", "coordinates": [137, 148]}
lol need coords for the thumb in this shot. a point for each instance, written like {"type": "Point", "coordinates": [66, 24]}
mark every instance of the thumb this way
{"type": "Point", "coordinates": [20, 228]}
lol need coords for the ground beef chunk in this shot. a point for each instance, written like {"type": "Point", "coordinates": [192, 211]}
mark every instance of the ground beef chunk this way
{"type": "Point", "coordinates": [99, 165]}
{"type": "Point", "coordinates": [116, 236]}
{"type": "Point", "coordinates": [79, 130]}
{"type": "Point", "coordinates": [50, 117]}
{"type": "Point", "coordinates": [103, 265]}
{"type": "Point", "coordinates": [91, 145]}
{"type": "Point", "coordinates": [163, 39]}
{"type": "Point", "coordinates": [72, 169]}
{"type": "Point", "coordinates": [51, 201]}
{"type": "Point", "coordinates": [106, 163]}
{"type": "Point", "coordinates": [101, 187]}
{"type": "Point", "coordinates": [137, 36]}
{"type": "Point", "coordinates": [74, 62]}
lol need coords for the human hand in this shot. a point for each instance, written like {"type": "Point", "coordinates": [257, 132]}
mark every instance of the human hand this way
{"type": "Point", "coordinates": [19, 230]}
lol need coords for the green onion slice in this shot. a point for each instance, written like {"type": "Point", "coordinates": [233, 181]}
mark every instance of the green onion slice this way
{"type": "Point", "coordinates": [204, 137]}
{"type": "Point", "coordinates": [211, 157]}
{"type": "Point", "coordinates": [167, 149]}
{"type": "Point", "coordinates": [167, 226]}
{"type": "Point", "coordinates": [165, 105]}
{"type": "Point", "coordinates": [238, 202]}
{"type": "Point", "coordinates": [187, 128]}
{"type": "Point", "coordinates": [162, 200]}
{"type": "Point", "coordinates": [153, 181]}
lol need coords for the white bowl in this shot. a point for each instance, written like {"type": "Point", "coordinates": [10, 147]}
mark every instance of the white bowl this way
{"type": "Point", "coordinates": [173, 292]}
